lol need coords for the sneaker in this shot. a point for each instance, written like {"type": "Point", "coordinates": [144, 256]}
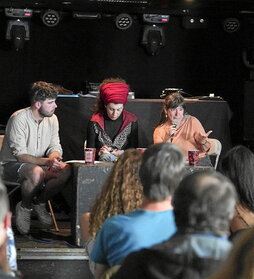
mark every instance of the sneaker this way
{"type": "Point", "coordinates": [23, 218]}
{"type": "Point", "coordinates": [42, 213]}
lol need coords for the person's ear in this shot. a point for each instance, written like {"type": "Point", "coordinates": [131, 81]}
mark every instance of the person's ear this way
{"type": "Point", "coordinates": [7, 220]}
{"type": "Point", "coordinates": [37, 104]}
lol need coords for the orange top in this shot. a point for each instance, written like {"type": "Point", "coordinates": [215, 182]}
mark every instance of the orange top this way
{"type": "Point", "coordinates": [184, 135]}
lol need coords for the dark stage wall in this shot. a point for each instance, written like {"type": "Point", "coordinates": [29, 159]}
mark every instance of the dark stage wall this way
{"type": "Point", "coordinates": [199, 61]}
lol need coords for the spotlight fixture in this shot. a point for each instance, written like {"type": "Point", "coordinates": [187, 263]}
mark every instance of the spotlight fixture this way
{"type": "Point", "coordinates": [231, 25]}
{"type": "Point", "coordinates": [192, 22]}
{"type": "Point", "coordinates": [17, 26]}
{"type": "Point", "coordinates": [51, 18]}
{"type": "Point", "coordinates": [155, 18]}
{"type": "Point", "coordinates": [153, 35]}
{"type": "Point", "coordinates": [85, 15]}
{"type": "Point", "coordinates": [153, 39]}
{"type": "Point", "coordinates": [18, 13]}
{"type": "Point", "coordinates": [18, 32]}
{"type": "Point", "coordinates": [123, 21]}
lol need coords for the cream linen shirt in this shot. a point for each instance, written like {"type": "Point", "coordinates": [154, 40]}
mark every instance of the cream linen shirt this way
{"type": "Point", "coordinates": [26, 135]}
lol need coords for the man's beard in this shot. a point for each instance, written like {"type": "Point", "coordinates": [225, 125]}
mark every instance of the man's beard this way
{"type": "Point", "coordinates": [43, 113]}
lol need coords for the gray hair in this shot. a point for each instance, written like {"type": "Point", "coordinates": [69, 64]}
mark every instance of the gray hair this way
{"type": "Point", "coordinates": [161, 170]}
{"type": "Point", "coordinates": [204, 202]}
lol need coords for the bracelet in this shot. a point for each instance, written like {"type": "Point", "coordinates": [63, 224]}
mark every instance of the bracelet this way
{"type": "Point", "coordinates": [204, 143]}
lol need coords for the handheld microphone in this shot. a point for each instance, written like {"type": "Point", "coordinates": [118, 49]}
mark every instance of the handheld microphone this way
{"type": "Point", "coordinates": [174, 124]}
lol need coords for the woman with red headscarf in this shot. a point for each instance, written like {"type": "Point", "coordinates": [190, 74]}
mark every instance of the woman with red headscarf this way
{"type": "Point", "coordinates": [112, 129]}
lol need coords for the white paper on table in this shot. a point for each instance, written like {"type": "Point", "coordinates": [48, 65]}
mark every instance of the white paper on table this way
{"type": "Point", "coordinates": [81, 162]}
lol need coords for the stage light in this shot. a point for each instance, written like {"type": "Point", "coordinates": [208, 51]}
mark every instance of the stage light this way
{"type": "Point", "coordinates": [86, 15]}
{"type": "Point", "coordinates": [51, 18]}
{"type": "Point", "coordinates": [153, 39]}
{"type": "Point", "coordinates": [194, 22]}
{"type": "Point", "coordinates": [153, 36]}
{"type": "Point", "coordinates": [18, 13]}
{"type": "Point", "coordinates": [231, 25]}
{"type": "Point", "coordinates": [18, 32]}
{"type": "Point", "coordinates": [123, 21]}
{"type": "Point", "coordinates": [155, 18]}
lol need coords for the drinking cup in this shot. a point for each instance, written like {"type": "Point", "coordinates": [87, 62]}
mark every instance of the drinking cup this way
{"type": "Point", "coordinates": [193, 157]}
{"type": "Point", "coordinates": [90, 155]}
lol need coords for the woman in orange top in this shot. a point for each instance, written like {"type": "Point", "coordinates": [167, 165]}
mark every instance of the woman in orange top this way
{"type": "Point", "coordinates": [182, 129]}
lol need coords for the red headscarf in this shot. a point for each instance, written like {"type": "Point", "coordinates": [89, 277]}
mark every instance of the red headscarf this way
{"type": "Point", "coordinates": [114, 93]}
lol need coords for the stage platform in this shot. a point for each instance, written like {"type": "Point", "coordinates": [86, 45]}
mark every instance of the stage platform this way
{"type": "Point", "coordinates": [46, 253]}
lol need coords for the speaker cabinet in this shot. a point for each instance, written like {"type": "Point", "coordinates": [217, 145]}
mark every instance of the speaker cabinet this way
{"type": "Point", "coordinates": [88, 181]}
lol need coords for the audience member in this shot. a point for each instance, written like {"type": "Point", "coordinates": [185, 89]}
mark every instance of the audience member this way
{"type": "Point", "coordinates": [238, 166]}
{"type": "Point", "coordinates": [11, 250]}
{"type": "Point", "coordinates": [122, 193]}
{"type": "Point", "coordinates": [203, 206]}
{"type": "Point", "coordinates": [182, 129]}
{"type": "Point", "coordinates": [161, 170]}
{"type": "Point", "coordinates": [240, 264]}
{"type": "Point", "coordinates": [32, 155]}
{"type": "Point", "coordinates": [5, 219]}
{"type": "Point", "coordinates": [11, 247]}
{"type": "Point", "coordinates": [112, 129]}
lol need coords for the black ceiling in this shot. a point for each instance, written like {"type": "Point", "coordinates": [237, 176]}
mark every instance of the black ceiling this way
{"type": "Point", "coordinates": [139, 6]}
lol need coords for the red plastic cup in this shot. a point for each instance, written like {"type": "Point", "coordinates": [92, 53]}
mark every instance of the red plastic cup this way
{"type": "Point", "coordinates": [142, 149]}
{"type": "Point", "coordinates": [90, 155]}
{"type": "Point", "coordinates": [193, 157]}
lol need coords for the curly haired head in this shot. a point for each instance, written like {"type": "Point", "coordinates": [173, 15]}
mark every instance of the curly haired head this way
{"type": "Point", "coordinates": [122, 192]}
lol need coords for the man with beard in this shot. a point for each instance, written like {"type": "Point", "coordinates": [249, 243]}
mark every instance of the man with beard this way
{"type": "Point", "coordinates": [32, 155]}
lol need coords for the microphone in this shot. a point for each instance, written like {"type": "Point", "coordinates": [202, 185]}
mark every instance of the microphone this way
{"type": "Point", "coordinates": [174, 124]}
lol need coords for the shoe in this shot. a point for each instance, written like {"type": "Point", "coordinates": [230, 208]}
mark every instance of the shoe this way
{"type": "Point", "coordinates": [23, 218]}
{"type": "Point", "coordinates": [42, 213]}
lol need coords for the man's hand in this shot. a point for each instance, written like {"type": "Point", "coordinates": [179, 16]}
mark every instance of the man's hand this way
{"type": "Point", "coordinates": [55, 162]}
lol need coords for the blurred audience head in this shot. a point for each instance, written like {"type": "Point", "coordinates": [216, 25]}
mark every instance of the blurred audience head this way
{"type": "Point", "coordinates": [204, 202]}
{"type": "Point", "coordinates": [161, 171]}
{"type": "Point", "coordinates": [5, 223]}
{"type": "Point", "coordinates": [238, 166]}
{"type": "Point", "coordinates": [4, 205]}
{"type": "Point", "coordinates": [122, 192]}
